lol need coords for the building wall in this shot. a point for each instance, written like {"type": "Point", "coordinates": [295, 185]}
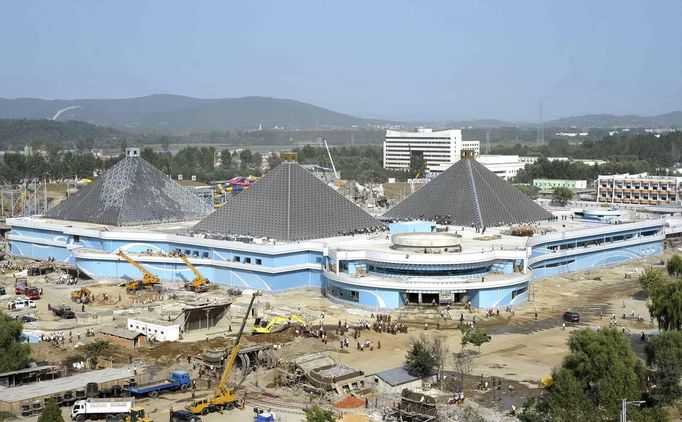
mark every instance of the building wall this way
{"type": "Point", "coordinates": [158, 332]}
{"type": "Point", "coordinates": [124, 342]}
{"type": "Point", "coordinates": [439, 147]}
{"type": "Point", "coordinates": [638, 189]}
{"type": "Point", "coordinates": [560, 183]}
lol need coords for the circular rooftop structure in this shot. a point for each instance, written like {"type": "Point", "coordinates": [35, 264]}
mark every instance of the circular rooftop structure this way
{"type": "Point", "coordinates": [426, 242]}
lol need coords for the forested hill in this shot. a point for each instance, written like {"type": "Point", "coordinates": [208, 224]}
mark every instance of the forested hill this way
{"type": "Point", "coordinates": [668, 120]}
{"type": "Point", "coordinates": [175, 114]}
{"type": "Point", "coordinates": [16, 133]}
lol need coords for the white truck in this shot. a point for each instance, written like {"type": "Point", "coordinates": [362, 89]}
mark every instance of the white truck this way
{"type": "Point", "coordinates": [108, 409]}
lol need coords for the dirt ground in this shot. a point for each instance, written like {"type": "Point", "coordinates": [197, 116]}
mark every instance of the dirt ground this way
{"type": "Point", "coordinates": [523, 349]}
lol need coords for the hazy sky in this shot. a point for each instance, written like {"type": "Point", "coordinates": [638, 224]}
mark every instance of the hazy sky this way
{"type": "Point", "coordinates": [398, 59]}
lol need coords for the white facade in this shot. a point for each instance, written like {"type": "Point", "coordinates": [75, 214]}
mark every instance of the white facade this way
{"type": "Point", "coordinates": [440, 148]}
{"type": "Point", "coordinates": [505, 166]}
{"type": "Point", "coordinates": [157, 331]}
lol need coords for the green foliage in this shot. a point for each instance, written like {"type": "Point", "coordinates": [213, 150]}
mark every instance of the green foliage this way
{"type": "Point", "coordinates": [318, 414]}
{"type": "Point", "coordinates": [51, 412]}
{"type": "Point", "coordinates": [674, 266]}
{"type": "Point", "coordinates": [419, 360]}
{"type": "Point", "coordinates": [13, 353]}
{"type": "Point", "coordinates": [567, 402]}
{"type": "Point", "coordinates": [603, 369]}
{"type": "Point", "coordinates": [473, 335]}
{"type": "Point", "coordinates": [664, 353]}
{"type": "Point", "coordinates": [652, 278]}
{"type": "Point", "coordinates": [417, 164]}
{"type": "Point", "coordinates": [666, 305]}
{"type": "Point", "coordinates": [96, 348]}
{"type": "Point", "coordinates": [530, 190]}
{"type": "Point", "coordinates": [562, 195]}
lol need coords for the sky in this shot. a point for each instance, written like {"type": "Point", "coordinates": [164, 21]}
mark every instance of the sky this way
{"type": "Point", "coordinates": [390, 59]}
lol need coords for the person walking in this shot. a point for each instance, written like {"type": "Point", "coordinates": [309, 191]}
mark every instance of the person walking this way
{"type": "Point", "coordinates": [563, 326]}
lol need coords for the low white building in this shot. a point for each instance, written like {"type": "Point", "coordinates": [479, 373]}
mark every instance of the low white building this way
{"type": "Point", "coordinates": [155, 330]}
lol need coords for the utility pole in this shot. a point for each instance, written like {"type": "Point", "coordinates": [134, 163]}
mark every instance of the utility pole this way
{"type": "Point", "coordinates": [624, 408]}
{"type": "Point", "coordinates": [487, 142]}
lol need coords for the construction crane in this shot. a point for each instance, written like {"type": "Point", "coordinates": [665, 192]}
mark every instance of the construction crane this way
{"type": "Point", "coordinates": [148, 281]}
{"type": "Point", "coordinates": [262, 326]}
{"type": "Point", "coordinates": [224, 397]}
{"type": "Point", "coordinates": [200, 283]}
{"type": "Point", "coordinates": [337, 179]}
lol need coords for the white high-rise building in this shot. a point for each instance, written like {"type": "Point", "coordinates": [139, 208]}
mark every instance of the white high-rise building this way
{"type": "Point", "coordinates": [440, 148]}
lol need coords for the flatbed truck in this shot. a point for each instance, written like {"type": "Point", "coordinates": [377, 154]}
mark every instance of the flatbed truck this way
{"type": "Point", "coordinates": [177, 380]}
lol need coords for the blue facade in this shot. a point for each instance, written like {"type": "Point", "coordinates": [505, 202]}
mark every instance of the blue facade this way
{"type": "Point", "coordinates": [289, 266]}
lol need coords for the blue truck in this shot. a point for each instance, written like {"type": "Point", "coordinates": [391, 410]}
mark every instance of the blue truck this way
{"type": "Point", "coordinates": [177, 380]}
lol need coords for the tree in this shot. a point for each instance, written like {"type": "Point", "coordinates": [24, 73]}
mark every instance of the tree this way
{"type": "Point", "coordinates": [473, 335]}
{"type": "Point", "coordinates": [419, 359]}
{"type": "Point", "coordinates": [51, 412]}
{"type": "Point", "coordinates": [165, 142]}
{"type": "Point", "coordinates": [417, 164]}
{"type": "Point", "coordinates": [439, 350]}
{"type": "Point", "coordinates": [651, 278]}
{"type": "Point", "coordinates": [318, 414]}
{"type": "Point", "coordinates": [567, 402]}
{"type": "Point", "coordinates": [531, 191]}
{"type": "Point", "coordinates": [674, 265]}
{"type": "Point", "coordinates": [13, 352]}
{"type": "Point", "coordinates": [273, 161]}
{"type": "Point", "coordinates": [666, 305]}
{"type": "Point", "coordinates": [463, 363]}
{"type": "Point", "coordinates": [600, 368]}
{"type": "Point", "coordinates": [664, 353]}
{"type": "Point", "coordinates": [562, 195]}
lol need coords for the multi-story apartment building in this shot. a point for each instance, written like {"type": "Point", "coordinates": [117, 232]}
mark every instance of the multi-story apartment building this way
{"type": "Point", "coordinates": [638, 189]}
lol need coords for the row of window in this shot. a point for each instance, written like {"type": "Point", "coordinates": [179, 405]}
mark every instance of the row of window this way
{"type": "Point", "coordinates": [195, 254]}
{"type": "Point", "coordinates": [600, 241]}
{"type": "Point", "coordinates": [246, 260]}
{"type": "Point", "coordinates": [143, 328]}
{"type": "Point", "coordinates": [350, 295]}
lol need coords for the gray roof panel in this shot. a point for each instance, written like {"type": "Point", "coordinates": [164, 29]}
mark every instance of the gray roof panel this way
{"type": "Point", "coordinates": [130, 193]}
{"type": "Point", "coordinates": [471, 195]}
{"type": "Point", "coordinates": [287, 204]}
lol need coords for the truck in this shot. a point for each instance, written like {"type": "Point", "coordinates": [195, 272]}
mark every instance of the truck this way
{"type": "Point", "coordinates": [108, 409]}
{"type": "Point", "coordinates": [34, 293]}
{"type": "Point", "coordinates": [20, 285]}
{"type": "Point", "coordinates": [21, 303]}
{"type": "Point", "coordinates": [62, 311]}
{"type": "Point", "coordinates": [177, 380]}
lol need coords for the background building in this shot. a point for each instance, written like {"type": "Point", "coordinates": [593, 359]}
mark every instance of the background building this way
{"type": "Point", "coordinates": [440, 148]}
{"type": "Point", "coordinates": [560, 183]}
{"type": "Point", "coordinates": [638, 189]}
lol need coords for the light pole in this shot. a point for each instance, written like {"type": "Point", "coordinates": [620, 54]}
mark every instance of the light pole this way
{"type": "Point", "coordinates": [624, 409]}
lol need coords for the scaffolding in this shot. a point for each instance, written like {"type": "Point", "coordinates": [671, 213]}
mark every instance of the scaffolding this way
{"type": "Point", "coordinates": [24, 199]}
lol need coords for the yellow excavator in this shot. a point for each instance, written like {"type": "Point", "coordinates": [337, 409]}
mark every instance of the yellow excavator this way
{"type": "Point", "coordinates": [263, 326]}
{"type": "Point", "coordinates": [82, 295]}
{"type": "Point", "coordinates": [224, 397]}
{"type": "Point", "coordinates": [200, 283]}
{"type": "Point", "coordinates": [148, 281]}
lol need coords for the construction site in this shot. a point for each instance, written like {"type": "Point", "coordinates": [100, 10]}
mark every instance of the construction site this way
{"type": "Point", "coordinates": [140, 302]}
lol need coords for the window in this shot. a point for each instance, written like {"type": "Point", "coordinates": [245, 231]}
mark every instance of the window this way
{"type": "Point", "coordinates": [237, 259]}
{"type": "Point", "coordinates": [187, 252]}
{"type": "Point", "coordinates": [76, 238]}
{"type": "Point", "coordinates": [247, 260]}
{"type": "Point", "coordinates": [204, 254]}
{"type": "Point", "coordinates": [258, 261]}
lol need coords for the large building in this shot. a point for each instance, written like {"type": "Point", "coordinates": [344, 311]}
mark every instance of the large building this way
{"type": "Point", "coordinates": [638, 189]}
{"type": "Point", "coordinates": [560, 183]}
{"type": "Point", "coordinates": [452, 241]}
{"type": "Point", "coordinates": [440, 149]}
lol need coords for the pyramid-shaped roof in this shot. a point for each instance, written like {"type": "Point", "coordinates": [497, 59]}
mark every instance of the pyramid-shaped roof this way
{"type": "Point", "coordinates": [469, 194]}
{"type": "Point", "coordinates": [288, 204]}
{"type": "Point", "coordinates": [130, 193]}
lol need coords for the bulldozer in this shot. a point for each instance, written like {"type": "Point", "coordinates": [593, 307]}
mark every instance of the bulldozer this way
{"type": "Point", "coordinates": [82, 295]}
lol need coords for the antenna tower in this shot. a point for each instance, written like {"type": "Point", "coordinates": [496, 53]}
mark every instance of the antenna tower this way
{"type": "Point", "coordinates": [487, 142]}
{"type": "Point", "coordinates": [541, 125]}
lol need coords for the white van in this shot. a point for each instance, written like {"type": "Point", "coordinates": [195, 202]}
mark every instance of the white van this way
{"type": "Point", "coordinates": [18, 304]}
